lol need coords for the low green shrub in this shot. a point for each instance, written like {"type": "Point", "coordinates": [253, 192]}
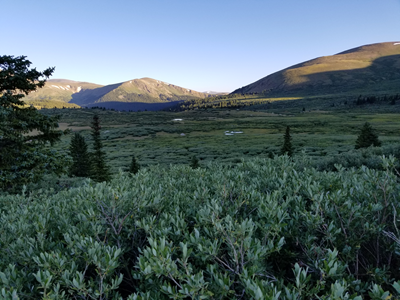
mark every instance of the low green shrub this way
{"type": "Point", "coordinates": [263, 229]}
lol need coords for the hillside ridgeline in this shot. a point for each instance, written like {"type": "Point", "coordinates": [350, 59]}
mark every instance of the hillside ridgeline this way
{"type": "Point", "coordinates": [144, 90]}
{"type": "Point", "coordinates": [370, 68]}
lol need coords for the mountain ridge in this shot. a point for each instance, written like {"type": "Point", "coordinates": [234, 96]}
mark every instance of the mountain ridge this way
{"type": "Point", "coordinates": [143, 90]}
{"type": "Point", "coordinates": [363, 66]}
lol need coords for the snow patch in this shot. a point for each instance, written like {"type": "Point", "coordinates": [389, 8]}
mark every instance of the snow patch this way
{"type": "Point", "coordinates": [396, 44]}
{"type": "Point", "coordinates": [177, 120]}
{"type": "Point", "coordinates": [78, 89]}
{"type": "Point", "coordinates": [232, 132]}
{"type": "Point", "coordinates": [55, 86]}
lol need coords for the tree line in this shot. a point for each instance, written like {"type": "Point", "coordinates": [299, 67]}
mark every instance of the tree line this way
{"type": "Point", "coordinates": [390, 99]}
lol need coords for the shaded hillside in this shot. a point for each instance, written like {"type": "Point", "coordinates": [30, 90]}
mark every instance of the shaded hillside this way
{"type": "Point", "coordinates": [370, 68]}
{"type": "Point", "coordinates": [144, 90]}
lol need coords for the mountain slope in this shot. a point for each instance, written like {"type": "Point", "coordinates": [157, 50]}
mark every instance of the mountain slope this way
{"type": "Point", "coordinates": [144, 90]}
{"type": "Point", "coordinates": [60, 90]}
{"type": "Point", "coordinates": [374, 67]}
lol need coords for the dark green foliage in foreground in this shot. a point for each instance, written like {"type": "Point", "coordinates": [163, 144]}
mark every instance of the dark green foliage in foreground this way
{"type": "Point", "coordinates": [100, 171]}
{"type": "Point", "coordinates": [78, 150]}
{"type": "Point", "coordinates": [24, 158]}
{"type": "Point", "coordinates": [134, 167]}
{"type": "Point", "coordinates": [265, 229]}
{"type": "Point", "coordinates": [287, 143]}
{"type": "Point", "coordinates": [367, 137]}
{"type": "Point", "coordinates": [194, 162]}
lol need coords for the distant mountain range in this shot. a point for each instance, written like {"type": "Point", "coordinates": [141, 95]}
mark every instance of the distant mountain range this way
{"type": "Point", "coordinates": [144, 93]}
{"type": "Point", "coordinates": [366, 69]}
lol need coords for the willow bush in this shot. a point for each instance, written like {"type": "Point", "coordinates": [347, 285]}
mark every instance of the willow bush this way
{"type": "Point", "coordinates": [262, 229]}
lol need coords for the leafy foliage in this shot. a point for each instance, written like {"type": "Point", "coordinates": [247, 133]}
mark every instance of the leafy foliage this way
{"type": "Point", "coordinates": [80, 157]}
{"type": "Point", "coordinates": [266, 229]}
{"type": "Point", "coordinates": [367, 137]}
{"type": "Point", "coordinates": [24, 132]}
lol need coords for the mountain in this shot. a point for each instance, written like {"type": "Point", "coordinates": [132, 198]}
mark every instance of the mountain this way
{"type": "Point", "coordinates": [368, 69]}
{"type": "Point", "coordinates": [60, 90]}
{"type": "Point", "coordinates": [133, 95]}
{"type": "Point", "coordinates": [144, 90]}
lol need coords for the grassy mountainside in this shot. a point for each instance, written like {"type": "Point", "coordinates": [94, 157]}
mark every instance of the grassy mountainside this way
{"type": "Point", "coordinates": [144, 90]}
{"type": "Point", "coordinates": [56, 91]}
{"type": "Point", "coordinates": [368, 69]}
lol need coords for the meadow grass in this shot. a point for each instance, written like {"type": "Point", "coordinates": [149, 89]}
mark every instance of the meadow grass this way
{"type": "Point", "coordinates": [154, 138]}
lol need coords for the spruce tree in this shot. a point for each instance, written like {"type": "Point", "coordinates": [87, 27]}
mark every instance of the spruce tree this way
{"type": "Point", "coordinates": [134, 167]}
{"type": "Point", "coordinates": [100, 171]}
{"type": "Point", "coordinates": [194, 163]}
{"type": "Point", "coordinates": [287, 143]}
{"type": "Point", "coordinates": [80, 156]}
{"type": "Point", "coordinates": [25, 134]}
{"type": "Point", "coordinates": [367, 137]}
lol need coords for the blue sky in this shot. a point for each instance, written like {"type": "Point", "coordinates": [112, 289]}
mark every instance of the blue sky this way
{"type": "Point", "coordinates": [217, 45]}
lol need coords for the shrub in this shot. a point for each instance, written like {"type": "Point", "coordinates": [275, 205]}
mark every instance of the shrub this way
{"type": "Point", "coordinates": [265, 229]}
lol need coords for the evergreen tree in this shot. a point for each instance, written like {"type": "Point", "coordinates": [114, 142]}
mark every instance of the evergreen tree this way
{"type": "Point", "coordinates": [100, 171]}
{"type": "Point", "coordinates": [80, 157]}
{"type": "Point", "coordinates": [270, 154]}
{"type": "Point", "coordinates": [287, 143]}
{"type": "Point", "coordinates": [367, 137]}
{"type": "Point", "coordinates": [194, 163]}
{"type": "Point", "coordinates": [24, 156]}
{"type": "Point", "coordinates": [134, 167]}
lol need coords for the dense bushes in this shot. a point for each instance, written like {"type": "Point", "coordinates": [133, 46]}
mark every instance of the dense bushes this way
{"type": "Point", "coordinates": [264, 229]}
{"type": "Point", "coordinates": [369, 157]}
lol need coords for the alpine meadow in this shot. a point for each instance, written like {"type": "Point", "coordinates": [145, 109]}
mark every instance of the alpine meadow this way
{"type": "Point", "coordinates": [287, 188]}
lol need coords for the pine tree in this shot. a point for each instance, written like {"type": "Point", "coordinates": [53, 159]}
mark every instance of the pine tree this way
{"type": "Point", "coordinates": [367, 137]}
{"type": "Point", "coordinates": [24, 155]}
{"type": "Point", "coordinates": [100, 171]}
{"type": "Point", "coordinates": [134, 167]}
{"type": "Point", "coordinates": [80, 157]}
{"type": "Point", "coordinates": [287, 143]}
{"type": "Point", "coordinates": [194, 163]}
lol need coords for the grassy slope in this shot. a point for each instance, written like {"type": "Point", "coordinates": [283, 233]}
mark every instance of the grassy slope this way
{"type": "Point", "coordinates": [57, 93]}
{"type": "Point", "coordinates": [149, 91]}
{"type": "Point", "coordinates": [367, 67]}
{"type": "Point", "coordinates": [145, 90]}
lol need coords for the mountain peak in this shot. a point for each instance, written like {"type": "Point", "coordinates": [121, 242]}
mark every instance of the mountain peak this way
{"type": "Point", "coordinates": [143, 90]}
